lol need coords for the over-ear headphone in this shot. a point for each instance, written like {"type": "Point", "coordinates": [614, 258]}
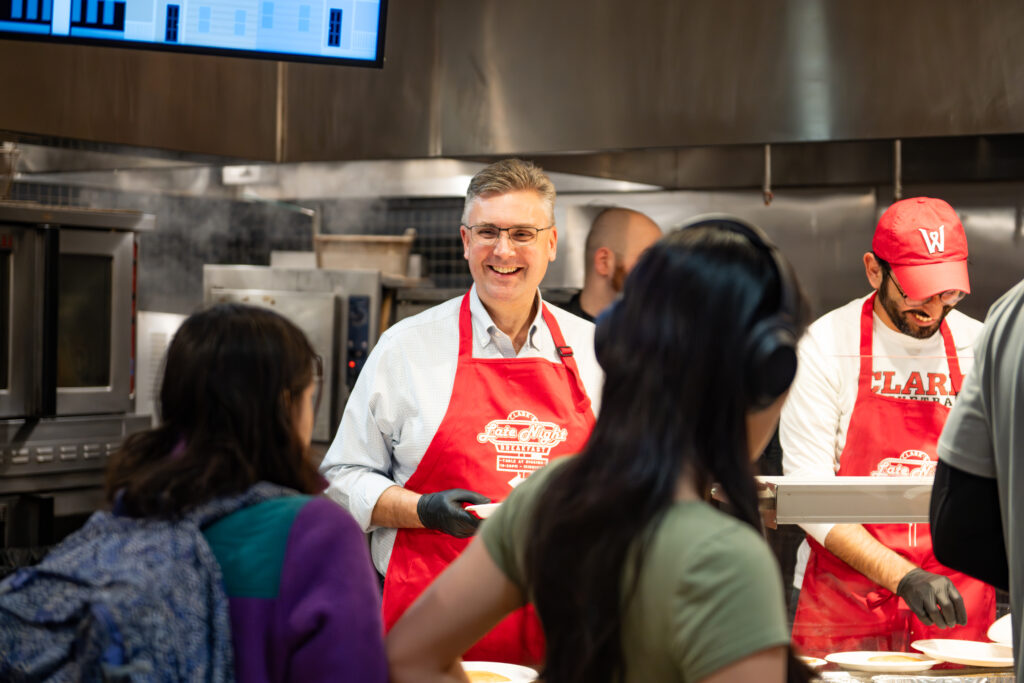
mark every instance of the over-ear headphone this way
{"type": "Point", "coordinates": [769, 355]}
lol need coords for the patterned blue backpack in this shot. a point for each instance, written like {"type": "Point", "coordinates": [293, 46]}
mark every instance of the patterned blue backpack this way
{"type": "Point", "coordinates": [124, 599]}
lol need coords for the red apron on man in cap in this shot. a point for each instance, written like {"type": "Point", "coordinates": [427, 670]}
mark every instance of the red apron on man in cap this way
{"type": "Point", "coordinates": [840, 609]}
{"type": "Point", "coordinates": [506, 418]}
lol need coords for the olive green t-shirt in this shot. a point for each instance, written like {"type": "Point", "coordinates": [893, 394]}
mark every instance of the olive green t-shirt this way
{"type": "Point", "coordinates": [709, 593]}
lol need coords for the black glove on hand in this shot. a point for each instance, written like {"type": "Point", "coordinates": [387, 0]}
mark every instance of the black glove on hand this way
{"type": "Point", "coordinates": [933, 598]}
{"type": "Point", "coordinates": [443, 511]}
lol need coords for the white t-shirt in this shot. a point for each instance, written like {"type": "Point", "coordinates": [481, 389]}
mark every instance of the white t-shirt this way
{"type": "Point", "coordinates": [402, 396]}
{"type": "Point", "coordinates": [816, 416]}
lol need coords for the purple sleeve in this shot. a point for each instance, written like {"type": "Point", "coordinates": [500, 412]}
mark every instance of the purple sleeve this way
{"type": "Point", "coordinates": [329, 600]}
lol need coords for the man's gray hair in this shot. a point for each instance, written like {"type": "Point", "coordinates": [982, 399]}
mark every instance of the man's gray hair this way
{"type": "Point", "coordinates": [510, 175]}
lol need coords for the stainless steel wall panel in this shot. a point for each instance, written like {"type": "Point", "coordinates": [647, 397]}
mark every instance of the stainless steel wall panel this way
{"type": "Point", "coordinates": [823, 234]}
{"type": "Point", "coordinates": [335, 113]}
{"type": "Point", "coordinates": [533, 76]}
{"type": "Point", "coordinates": [492, 78]}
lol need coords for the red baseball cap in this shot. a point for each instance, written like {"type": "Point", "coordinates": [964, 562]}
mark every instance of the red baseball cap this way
{"type": "Point", "coordinates": [924, 242]}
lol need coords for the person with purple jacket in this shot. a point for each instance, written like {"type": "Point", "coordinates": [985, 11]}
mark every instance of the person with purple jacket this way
{"type": "Point", "coordinates": [236, 407]}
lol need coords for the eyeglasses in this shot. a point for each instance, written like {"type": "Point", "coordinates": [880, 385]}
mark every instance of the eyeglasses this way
{"type": "Point", "coordinates": [517, 234]}
{"type": "Point", "coordinates": [951, 297]}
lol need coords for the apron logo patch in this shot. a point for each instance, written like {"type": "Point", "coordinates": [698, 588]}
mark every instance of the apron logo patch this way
{"type": "Point", "coordinates": [911, 463]}
{"type": "Point", "coordinates": [523, 443]}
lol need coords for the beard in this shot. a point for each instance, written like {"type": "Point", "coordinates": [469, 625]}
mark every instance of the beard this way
{"type": "Point", "coordinates": [899, 317]}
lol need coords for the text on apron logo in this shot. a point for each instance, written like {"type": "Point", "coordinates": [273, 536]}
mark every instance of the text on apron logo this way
{"type": "Point", "coordinates": [523, 442]}
{"type": "Point", "coordinates": [934, 240]}
{"type": "Point", "coordinates": [884, 383]}
{"type": "Point", "coordinates": [910, 463]}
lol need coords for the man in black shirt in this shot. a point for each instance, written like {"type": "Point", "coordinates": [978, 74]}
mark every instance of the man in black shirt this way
{"type": "Point", "coordinates": [617, 238]}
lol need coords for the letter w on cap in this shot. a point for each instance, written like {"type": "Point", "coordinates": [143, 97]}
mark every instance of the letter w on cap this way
{"type": "Point", "coordinates": [935, 240]}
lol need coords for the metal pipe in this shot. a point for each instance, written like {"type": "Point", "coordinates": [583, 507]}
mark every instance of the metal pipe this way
{"type": "Point", "coordinates": [897, 159]}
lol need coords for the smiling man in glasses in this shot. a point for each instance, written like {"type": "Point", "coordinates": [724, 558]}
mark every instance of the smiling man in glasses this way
{"type": "Point", "coordinates": [876, 382]}
{"type": "Point", "coordinates": [459, 404]}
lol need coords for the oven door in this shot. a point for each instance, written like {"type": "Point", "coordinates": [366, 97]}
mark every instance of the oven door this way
{"type": "Point", "coordinates": [21, 303]}
{"type": "Point", "coordinates": [94, 322]}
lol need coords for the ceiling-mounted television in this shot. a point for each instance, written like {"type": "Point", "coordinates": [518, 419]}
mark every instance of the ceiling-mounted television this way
{"type": "Point", "coordinates": [347, 32]}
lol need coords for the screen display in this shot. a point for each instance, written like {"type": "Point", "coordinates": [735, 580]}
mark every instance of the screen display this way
{"type": "Point", "coordinates": [84, 311]}
{"type": "Point", "coordinates": [332, 31]}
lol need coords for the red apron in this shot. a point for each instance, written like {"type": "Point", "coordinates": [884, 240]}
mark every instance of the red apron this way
{"type": "Point", "coordinates": [506, 418]}
{"type": "Point", "coordinates": [839, 608]}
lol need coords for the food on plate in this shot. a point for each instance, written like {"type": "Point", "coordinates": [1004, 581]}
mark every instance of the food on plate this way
{"type": "Point", "coordinates": [894, 658]}
{"type": "Point", "coordinates": [486, 677]}
{"type": "Point", "coordinates": [879, 661]}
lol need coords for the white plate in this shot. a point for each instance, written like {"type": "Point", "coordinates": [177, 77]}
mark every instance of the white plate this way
{"type": "Point", "coordinates": [514, 672]}
{"type": "Point", "coordinates": [1001, 630]}
{"type": "Point", "coordinates": [866, 661]}
{"type": "Point", "coordinates": [813, 662]}
{"type": "Point", "coordinates": [484, 510]}
{"type": "Point", "coordinates": [967, 652]}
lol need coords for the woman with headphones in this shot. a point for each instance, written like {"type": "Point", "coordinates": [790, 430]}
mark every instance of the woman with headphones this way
{"type": "Point", "coordinates": [634, 575]}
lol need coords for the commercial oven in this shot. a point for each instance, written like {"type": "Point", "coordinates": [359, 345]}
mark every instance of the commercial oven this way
{"type": "Point", "coordinates": [339, 311]}
{"type": "Point", "coordinates": [67, 352]}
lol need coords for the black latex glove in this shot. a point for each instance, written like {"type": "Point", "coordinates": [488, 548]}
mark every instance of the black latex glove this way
{"type": "Point", "coordinates": [933, 598]}
{"type": "Point", "coordinates": [443, 511]}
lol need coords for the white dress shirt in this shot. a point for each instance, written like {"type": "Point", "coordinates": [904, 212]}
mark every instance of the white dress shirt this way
{"type": "Point", "coordinates": [402, 396]}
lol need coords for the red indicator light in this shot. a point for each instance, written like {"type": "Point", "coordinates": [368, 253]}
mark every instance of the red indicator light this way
{"type": "Point", "coordinates": [351, 363]}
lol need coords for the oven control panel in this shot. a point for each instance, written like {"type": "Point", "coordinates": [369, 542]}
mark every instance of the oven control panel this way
{"type": "Point", "coordinates": [358, 337]}
{"type": "Point", "coordinates": [55, 456]}
{"type": "Point", "coordinates": [69, 452]}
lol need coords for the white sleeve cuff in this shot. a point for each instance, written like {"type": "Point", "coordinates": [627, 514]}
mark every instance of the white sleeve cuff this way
{"type": "Point", "coordinates": [817, 531]}
{"type": "Point", "coordinates": [358, 492]}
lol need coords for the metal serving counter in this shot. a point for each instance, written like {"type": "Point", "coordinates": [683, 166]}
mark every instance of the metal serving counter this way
{"type": "Point", "coordinates": [846, 500]}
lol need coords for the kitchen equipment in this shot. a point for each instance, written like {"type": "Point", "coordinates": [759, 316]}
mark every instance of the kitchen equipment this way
{"type": "Point", "coordinates": [386, 253]}
{"type": "Point", "coordinates": [841, 500]}
{"type": "Point", "coordinates": [339, 311]}
{"type": "Point", "coordinates": [67, 309]}
{"type": "Point", "coordinates": [67, 351]}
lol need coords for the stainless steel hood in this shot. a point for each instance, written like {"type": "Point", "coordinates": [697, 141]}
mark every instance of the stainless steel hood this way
{"type": "Point", "coordinates": [491, 78]}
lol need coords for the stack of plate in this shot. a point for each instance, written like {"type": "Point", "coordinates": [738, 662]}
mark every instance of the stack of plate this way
{"type": "Point", "coordinates": [966, 652]}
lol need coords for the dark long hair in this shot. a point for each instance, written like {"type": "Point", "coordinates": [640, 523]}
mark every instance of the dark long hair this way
{"type": "Point", "coordinates": [673, 402]}
{"type": "Point", "coordinates": [231, 383]}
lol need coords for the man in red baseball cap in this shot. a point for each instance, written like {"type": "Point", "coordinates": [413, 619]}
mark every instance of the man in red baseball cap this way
{"type": "Point", "coordinates": [876, 381]}
{"type": "Point", "coordinates": [921, 246]}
